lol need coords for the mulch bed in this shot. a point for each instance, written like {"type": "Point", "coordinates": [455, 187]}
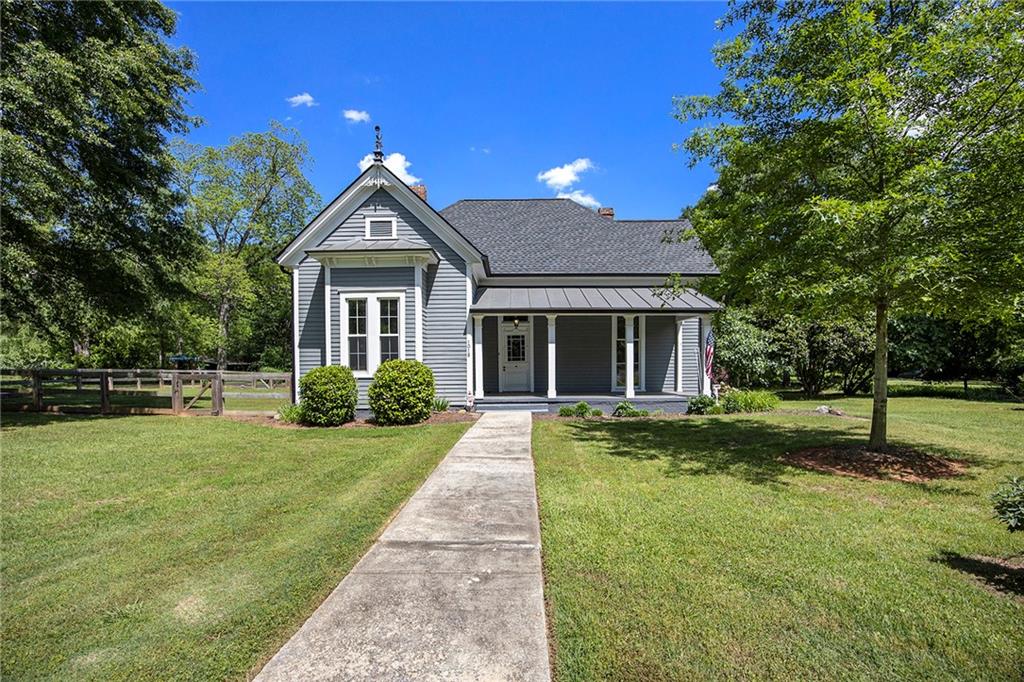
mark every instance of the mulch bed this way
{"type": "Point", "coordinates": [435, 418]}
{"type": "Point", "coordinates": [893, 464]}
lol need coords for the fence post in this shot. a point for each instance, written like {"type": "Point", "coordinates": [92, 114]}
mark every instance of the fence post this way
{"type": "Point", "coordinates": [138, 381]}
{"type": "Point", "coordinates": [217, 408]}
{"type": "Point", "coordinates": [177, 403]}
{"type": "Point", "coordinates": [78, 380]}
{"type": "Point", "coordinates": [37, 391]}
{"type": "Point", "coordinates": [105, 381]}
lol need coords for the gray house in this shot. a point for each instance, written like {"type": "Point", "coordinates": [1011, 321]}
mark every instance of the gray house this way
{"type": "Point", "coordinates": [525, 303]}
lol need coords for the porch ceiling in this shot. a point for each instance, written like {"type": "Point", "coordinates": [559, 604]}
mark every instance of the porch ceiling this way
{"type": "Point", "coordinates": [589, 299]}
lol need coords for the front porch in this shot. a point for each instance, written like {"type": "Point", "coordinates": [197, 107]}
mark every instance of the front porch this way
{"type": "Point", "coordinates": [527, 356]}
{"type": "Point", "coordinates": [606, 402]}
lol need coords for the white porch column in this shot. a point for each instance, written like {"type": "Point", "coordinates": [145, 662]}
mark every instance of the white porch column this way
{"type": "Point", "coordinates": [327, 314]}
{"type": "Point", "coordinates": [679, 354]}
{"type": "Point", "coordinates": [705, 380]}
{"type": "Point", "coordinates": [630, 354]}
{"type": "Point", "coordinates": [551, 356]}
{"type": "Point", "coordinates": [478, 356]}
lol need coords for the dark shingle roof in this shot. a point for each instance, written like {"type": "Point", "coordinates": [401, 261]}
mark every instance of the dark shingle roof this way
{"type": "Point", "coordinates": [558, 236]}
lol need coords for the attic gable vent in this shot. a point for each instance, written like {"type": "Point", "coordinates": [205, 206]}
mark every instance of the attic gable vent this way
{"type": "Point", "coordinates": [381, 228]}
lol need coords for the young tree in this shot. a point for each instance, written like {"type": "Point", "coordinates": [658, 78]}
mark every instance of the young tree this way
{"type": "Point", "coordinates": [868, 156]}
{"type": "Point", "coordinates": [247, 199]}
{"type": "Point", "coordinates": [90, 93]}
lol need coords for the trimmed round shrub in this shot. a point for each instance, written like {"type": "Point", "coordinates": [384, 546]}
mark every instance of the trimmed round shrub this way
{"type": "Point", "coordinates": [329, 396]}
{"type": "Point", "coordinates": [402, 392]}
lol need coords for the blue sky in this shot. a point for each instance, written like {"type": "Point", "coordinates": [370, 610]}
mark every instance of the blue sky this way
{"type": "Point", "coordinates": [478, 98]}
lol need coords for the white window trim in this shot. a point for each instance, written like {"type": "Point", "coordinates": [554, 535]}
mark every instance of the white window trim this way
{"type": "Point", "coordinates": [639, 346]}
{"type": "Point", "coordinates": [372, 327]}
{"type": "Point", "coordinates": [380, 219]}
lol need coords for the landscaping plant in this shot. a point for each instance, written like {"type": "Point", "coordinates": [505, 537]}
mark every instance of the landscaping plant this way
{"type": "Point", "coordinates": [329, 396]}
{"type": "Point", "coordinates": [701, 404]}
{"type": "Point", "coordinates": [580, 409]}
{"type": "Point", "coordinates": [626, 409]}
{"type": "Point", "coordinates": [749, 401]}
{"type": "Point", "coordinates": [402, 392]}
{"type": "Point", "coordinates": [1009, 503]}
{"type": "Point", "coordinates": [440, 405]}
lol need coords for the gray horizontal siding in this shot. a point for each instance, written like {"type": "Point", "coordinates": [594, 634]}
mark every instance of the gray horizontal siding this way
{"type": "Point", "coordinates": [660, 365]}
{"type": "Point", "coordinates": [691, 359]}
{"type": "Point", "coordinates": [311, 316]}
{"type": "Point", "coordinates": [583, 354]}
{"type": "Point", "coordinates": [444, 297]}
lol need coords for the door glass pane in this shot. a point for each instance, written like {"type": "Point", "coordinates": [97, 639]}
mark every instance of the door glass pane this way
{"type": "Point", "coordinates": [515, 348]}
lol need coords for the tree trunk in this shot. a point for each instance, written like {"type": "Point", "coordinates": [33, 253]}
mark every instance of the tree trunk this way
{"type": "Point", "coordinates": [222, 346]}
{"type": "Point", "coordinates": [881, 384]}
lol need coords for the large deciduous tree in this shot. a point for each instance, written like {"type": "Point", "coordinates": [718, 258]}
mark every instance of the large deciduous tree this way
{"type": "Point", "coordinates": [247, 199]}
{"type": "Point", "coordinates": [88, 223]}
{"type": "Point", "coordinates": [869, 160]}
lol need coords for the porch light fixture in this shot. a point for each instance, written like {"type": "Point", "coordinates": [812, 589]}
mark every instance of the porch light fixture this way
{"type": "Point", "coordinates": [515, 323]}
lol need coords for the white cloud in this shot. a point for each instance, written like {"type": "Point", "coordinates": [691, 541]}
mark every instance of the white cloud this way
{"type": "Point", "coordinates": [302, 99]}
{"type": "Point", "coordinates": [394, 162]}
{"type": "Point", "coordinates": [482, 150]}
{"type": "Point", "coordinates": [356, 116]}
{"type": "Point", "coordinates": [563, 177]}
{"type": "Point", "coordinates": [581, 198]}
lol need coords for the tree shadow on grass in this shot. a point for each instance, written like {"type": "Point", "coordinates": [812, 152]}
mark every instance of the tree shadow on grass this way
{"type": "Point", "coordinates": [999, 575]}
{"type": "Point", "coordinates": [747, 449]}
{"type": "Point", "coordinates": [22, 420]}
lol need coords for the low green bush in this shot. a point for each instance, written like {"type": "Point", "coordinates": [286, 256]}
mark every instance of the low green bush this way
{"type": "Point", "coordinates": [290, 414]}
{"type": "Point", "coordinates": [701, 404]}
{"type": "Point", "coordinates": [580, 409]}
{"type": "Point", "coordinates": [440, 405]}
{"type": "Point", "coordinates": [626, 409]}
{"type": "Point", "coordinates": [596, 412]}
{"type": "Point", "coordinates": [402, 392]}
{"type": "Point", "coordinates": [749, 401]}
{"type": "Point", "coordinates": [1009, 503]}
{"type": "Point", "coordinates": [329, 396]}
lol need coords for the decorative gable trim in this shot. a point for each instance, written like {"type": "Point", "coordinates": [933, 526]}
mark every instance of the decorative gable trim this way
{"type": "Point", "coordinates": [352, 197]}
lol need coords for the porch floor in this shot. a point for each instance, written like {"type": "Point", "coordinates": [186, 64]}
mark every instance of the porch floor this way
{"type": "Point", "coordinates": [539, 402]}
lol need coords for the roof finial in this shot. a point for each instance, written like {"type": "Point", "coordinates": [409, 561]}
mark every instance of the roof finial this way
{"type": "Point", "coordinates": [378, 150]}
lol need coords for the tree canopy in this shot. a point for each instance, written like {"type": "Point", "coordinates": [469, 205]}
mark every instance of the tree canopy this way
{"type": "Point", "coordinates": [89, 223]}
{"type": "Point", "coordinates": [869, 159]}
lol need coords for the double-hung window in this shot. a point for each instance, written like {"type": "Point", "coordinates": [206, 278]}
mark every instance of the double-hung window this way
{"type": "Point", "coordinates": [372, 330]}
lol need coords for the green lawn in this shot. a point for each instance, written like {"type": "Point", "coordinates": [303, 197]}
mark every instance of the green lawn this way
{"type": "Point", "coordinates": [176, 547]}
{"type": "Point", "coordinates": [683, 549]}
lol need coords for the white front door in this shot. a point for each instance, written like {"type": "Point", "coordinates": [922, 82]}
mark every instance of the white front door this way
{"type": "Point", "coordinates": [514, 354]}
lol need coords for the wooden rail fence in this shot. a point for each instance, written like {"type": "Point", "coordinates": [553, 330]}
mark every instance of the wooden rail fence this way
{"type": "Point", "coordinates": [186, 389]}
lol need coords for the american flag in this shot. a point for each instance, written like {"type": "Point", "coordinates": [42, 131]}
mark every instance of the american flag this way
{"type": "Point", "coordinates": [709, 352]}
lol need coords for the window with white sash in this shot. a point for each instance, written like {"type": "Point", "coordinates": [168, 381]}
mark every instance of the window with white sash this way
{"type": "Point", "coordinates": [372, 329]}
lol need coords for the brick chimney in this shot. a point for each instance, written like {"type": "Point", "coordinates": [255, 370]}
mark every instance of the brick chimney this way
{"type": "Point", "coordinates": [606, 212]}
{"type": "Point", "coordinates": [421, 190]}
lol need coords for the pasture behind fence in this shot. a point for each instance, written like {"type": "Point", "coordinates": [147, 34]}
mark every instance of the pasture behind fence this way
{"type": "Point", "coordinates": [144, 391]}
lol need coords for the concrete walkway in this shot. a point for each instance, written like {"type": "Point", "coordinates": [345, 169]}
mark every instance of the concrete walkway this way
{"type": "Point", "coordinates": [452, 590]}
